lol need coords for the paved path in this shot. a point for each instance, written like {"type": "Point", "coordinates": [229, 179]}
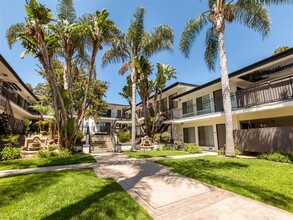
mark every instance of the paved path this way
{"type": "Point", "coordinates": [4, 173]}
{"type": "Point", "coordinates": [167, 195]}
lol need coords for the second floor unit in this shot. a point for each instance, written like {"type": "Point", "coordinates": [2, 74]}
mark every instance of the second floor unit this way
{"type": "Point", "coordinates": [114, 112]}
{"type": "Point", "coordinates": [14, 94]}
{"type": "Point", "coordinates": [165, 102]}
{"type": "Point", "coordinates": [261, 85]}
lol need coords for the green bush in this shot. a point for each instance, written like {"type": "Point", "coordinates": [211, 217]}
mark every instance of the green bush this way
{"type": "Point", "coordinates": [157, 138]}
{"type": "Point", "coordinates": [10, 153]}
{"type": "Point", "coordinates": [9, 141]}
{"type": "Point", "coordinates": [179, 145]}
{"type": "Point", "coordinates": [193, 148]}
{"type": "Point", "coordinates": [123, 137]}
{"type": "Point", "coordinates": [79, 137]}
{"type": "Point", "coordinates": [42, 154]}
{"type": "Point", "coordinates": [165, 137]}
{"type": "Point", "coordinates": [46, 153]}
{"type": "Point", "coordinates": [52, 147]}
{"type": "Point", "coordinates": [222, 151]}
{"type": "Point", "coordinates": [43, 132]}
{"type": "Point", "coordinates": [65, 152]}
{"type": "Point", "coordinates": [277, 157]}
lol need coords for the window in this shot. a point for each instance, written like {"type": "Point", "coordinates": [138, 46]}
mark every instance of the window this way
{"type": "Point", "coordinates": [187, 108]}
{"type": "Point", "coordinates": [203, 104]}
{"type": "Point", "coordinates": [118, 113]}
{"type": "Point", "coordinates": [173, 104]}
{"type": "Point", "coordinates": [163, 103]}
{"type": "Point", "coordinates": [206, 136]}
{"type": "Point", "coordinates": [188, 135]}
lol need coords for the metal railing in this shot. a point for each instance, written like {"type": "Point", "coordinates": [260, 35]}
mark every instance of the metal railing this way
{"type": "Point", "coordinates": [18, 100]}
{"type": "Point", "coordinates": [274, 91]}
{"type": "Point", "coordinates": [116, 116]}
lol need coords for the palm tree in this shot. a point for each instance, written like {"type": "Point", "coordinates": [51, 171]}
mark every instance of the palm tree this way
{"type": "Point", "coordinates": [164, 73]}
{"type": "Point", "coordinates": [127, 48]}
{"type": "Point", "coordinates": [280, 50]}
{"type": "Point", "coordinates": [44, 38]}
{"type": "Point", "coordinates": [250, 13]}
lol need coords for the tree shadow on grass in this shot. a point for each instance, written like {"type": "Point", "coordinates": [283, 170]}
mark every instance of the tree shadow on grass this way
{"type": "Point", "coordinates": [111, 202]}
{"type": "Point", "coordinates": [206, 170]}
{"type": "Point", "coordinates": [16, 187]}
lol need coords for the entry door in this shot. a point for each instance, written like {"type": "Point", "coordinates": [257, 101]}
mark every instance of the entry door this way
{"type": "Point", "coordinates": [221, 134]}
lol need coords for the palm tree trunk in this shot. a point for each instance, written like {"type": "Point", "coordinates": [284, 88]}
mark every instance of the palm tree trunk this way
{"type": "Point", "coordinates": [229, 150]}
{"type": "Point", "coordinates": [133, 106]}
{"type": "Point", "coordinates": [88, 83]}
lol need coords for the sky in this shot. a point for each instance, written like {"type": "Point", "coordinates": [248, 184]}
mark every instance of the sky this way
{"type": "Point", "coordinates": [243, 46]}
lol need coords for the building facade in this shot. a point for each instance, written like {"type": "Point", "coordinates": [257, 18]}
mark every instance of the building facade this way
{"type": "Point", "coordinates": [15, 100]}
{"type": "Point", "coordinates": [262, 108]}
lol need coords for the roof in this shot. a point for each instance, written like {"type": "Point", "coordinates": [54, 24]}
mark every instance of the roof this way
{"type": "Point", "coordinates": [170, 87]}
{"type": "Point", "coordinates": [243, 70]}
{"type": "Point", "coordinates": [118, 104]}
{"type": "Point", "coordinates": [2, 59]}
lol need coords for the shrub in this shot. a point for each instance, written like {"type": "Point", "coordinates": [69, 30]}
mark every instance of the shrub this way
{"type": "Point", "coordinates": [43, 132]}
{"type": "Point", "coordinates": [179, 145]}
{"type": "Point", "coordinates": [222, 151]}
{"type": "Point", "coordinates": [65, 152]}
{"type": "Point", "coordinates": [42, 154]}
{"type": "Point", "coordinates": [10, 153]}
{"type": "Point", "coordinates": [123, 137]}
{"type": "Point", "coordinates": [52, 147]}
{"type": "Point", "coordinates": [157, 138]}
{"type": "Point", "coordinates": [165, 137]}
{"type": "Point", "coordinates": [79, 137]}
{"type": "Point", "coordinates": [27, 123]}
{"type": "Point", "coordinates": [9, 141]}
{"type": "Point", "coordinates": [277, 157]}
{"type": "Point", "coordinates": [193, 148]}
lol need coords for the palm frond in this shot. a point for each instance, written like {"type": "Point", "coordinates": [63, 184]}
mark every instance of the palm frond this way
{"type": "Point", "coordinates": [190, 33]}
{"type": "Point", "coordinates": [113, 55]}
{"type": "Point", "coordinates": [136, 29]}
{"type": "Point", "coordinates": [212, 49]}
{"type": "Point", "coordinates": [124, 68]}
{"type": "Point", "coordinates": [212, 3]}
{"type": "Point", "coordinates": [66, 11]}
{"type": "Point", "coordinates": [253, 15]}
{"type": "Point", "coordinates": [228, 12]}
{"type": "Point", "coordinates": [13, 33]}
{"type": "Point", "coordinates": [161, 38]}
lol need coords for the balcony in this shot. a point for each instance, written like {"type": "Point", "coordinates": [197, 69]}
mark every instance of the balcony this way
{"type": "Point", "coordinates": [274, 91]}
{"type": "Point", "coordinates": [18, 100]}
{"type": "Point", "coordinates": [116, 116]}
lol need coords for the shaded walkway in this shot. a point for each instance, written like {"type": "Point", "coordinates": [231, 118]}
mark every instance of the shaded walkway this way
{"type": "Point", "coordinates": [167, 195]}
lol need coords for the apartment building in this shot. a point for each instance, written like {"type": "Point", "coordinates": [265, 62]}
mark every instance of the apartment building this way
{"type": "Point", "coordinates": [262, 108]}
{"type": "Point", "coordinates": [15, 100]}
{"type": "Point", "coordinates": [115, 113]}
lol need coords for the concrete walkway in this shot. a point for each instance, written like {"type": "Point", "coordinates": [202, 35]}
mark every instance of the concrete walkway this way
{"type": "Point", "coordinates": [5, 173]}
{"type": "Point", "coordinates": [167, 195]}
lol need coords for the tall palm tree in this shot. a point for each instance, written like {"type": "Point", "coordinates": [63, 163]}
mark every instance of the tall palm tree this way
{"type": "Point", "coordinates": [127, 48]}
{"type": "Point", "coordinates": [251, 13]}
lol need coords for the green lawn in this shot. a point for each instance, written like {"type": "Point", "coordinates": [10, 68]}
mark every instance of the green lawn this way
{"type": "Point", "coordinates": [71, 194]}
{"type": "Point", "coordinates": [265, 181]}
{"type": "Point", "coordinates": [44, 162]}
{"type": "Point", "coordinates": [149, 154]}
